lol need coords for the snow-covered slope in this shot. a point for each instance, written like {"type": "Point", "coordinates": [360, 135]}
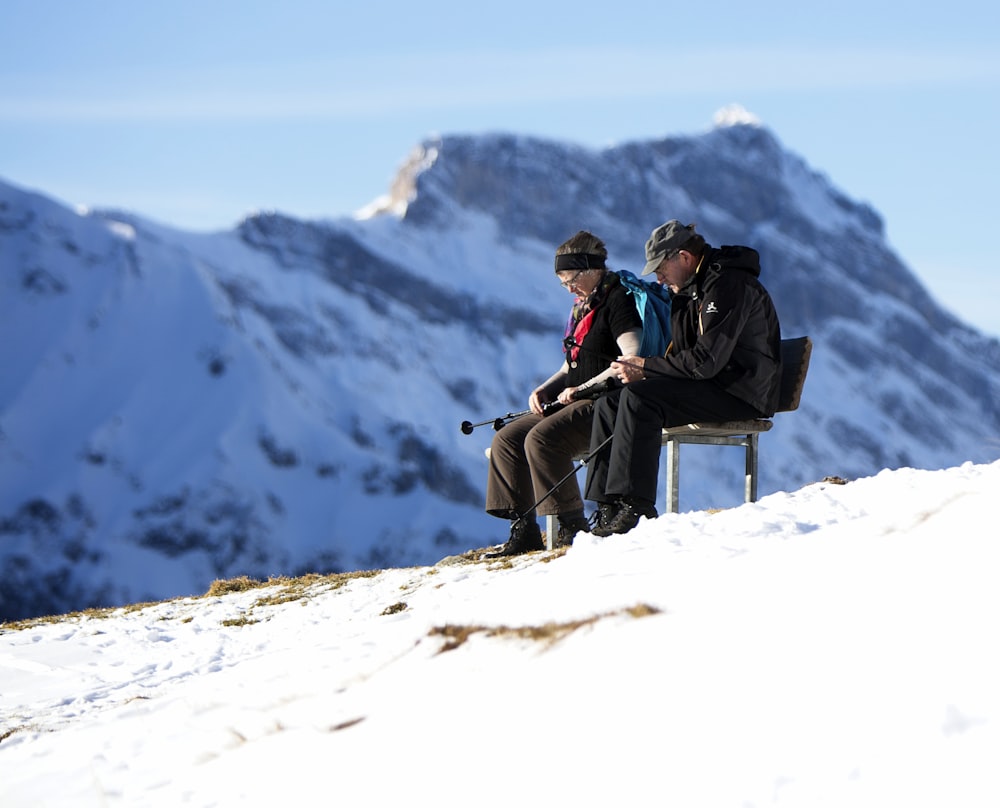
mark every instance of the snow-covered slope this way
{"type": "Point", "coordinates": [286, 397]}
{"type": "Point", "coordinates": [833, 645]}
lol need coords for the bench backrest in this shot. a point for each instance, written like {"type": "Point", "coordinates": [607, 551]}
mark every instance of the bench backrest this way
{"type": "Point", "coordinates": [795, 355]}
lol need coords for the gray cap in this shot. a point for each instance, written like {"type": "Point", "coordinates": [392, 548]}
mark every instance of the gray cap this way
{"type": "Point", "coordinates": [666, 238]}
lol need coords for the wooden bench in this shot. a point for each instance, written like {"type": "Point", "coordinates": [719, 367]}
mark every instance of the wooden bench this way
{"type": "Point", "coordinates": [795, 354]}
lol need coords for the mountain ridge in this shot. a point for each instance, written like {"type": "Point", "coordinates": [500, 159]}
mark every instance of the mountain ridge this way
{"type": "Point", "coordinates": [284, 397]}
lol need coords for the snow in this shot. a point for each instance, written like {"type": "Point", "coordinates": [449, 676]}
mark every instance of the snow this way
{"type": "Point", "coordinates": [123, 230]}
{"type": "Point", "coordinates": [833, 645]}
{"type": "Point", "coordinates": [734, 115]}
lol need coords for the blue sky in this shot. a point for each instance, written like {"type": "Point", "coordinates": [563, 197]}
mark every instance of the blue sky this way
{"type": "Point", "coordinates": [195, 113]}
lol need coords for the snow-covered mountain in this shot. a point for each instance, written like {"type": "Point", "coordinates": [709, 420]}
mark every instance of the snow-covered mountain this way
{"type": "Point", "coordinates": [286, 397]}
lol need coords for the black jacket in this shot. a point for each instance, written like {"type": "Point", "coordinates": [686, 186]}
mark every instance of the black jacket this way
{"type": "Point", "coordinates": [616, 315]}
{"type": "Point", "coordinates": [725, 329]}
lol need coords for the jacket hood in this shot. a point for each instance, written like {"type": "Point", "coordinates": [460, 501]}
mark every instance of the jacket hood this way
{"type": "Point", "coordinates": [734, 257]}
{"type": "Point", "coordinates": [721, 259]}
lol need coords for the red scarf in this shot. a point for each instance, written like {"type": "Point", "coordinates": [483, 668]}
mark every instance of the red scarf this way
{"type": "Point", "coordinates": [581, 318]}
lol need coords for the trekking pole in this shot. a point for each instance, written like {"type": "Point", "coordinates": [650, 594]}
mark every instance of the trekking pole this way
{"type": "Point", "coordinates": [498, 423]}
{"type": "Point", "coordinates": [548, 407]}
{"type": "Point", "coordinates": [583, 462]}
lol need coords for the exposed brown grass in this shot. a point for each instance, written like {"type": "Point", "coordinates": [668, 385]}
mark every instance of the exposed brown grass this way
{"type": "Point", "coordinates": [278, 590]}
{"type": "Point", "coordinates": [548, 633]}
{"type": "Point", "coordinates": [281, 590]}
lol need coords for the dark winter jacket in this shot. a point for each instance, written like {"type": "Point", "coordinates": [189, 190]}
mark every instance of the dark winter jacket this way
{"type": "Point", "coordinates": [725, 329]}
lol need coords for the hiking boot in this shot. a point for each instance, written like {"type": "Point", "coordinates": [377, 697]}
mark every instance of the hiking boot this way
{"type": "Point", "coordinates": [625, 517]}
{"type": "Point", "coordinates": [605, 510]}
{"type": "Point", "coordinates": [525, 536]}
{"type": "Point", "coordinates": [569, 529]}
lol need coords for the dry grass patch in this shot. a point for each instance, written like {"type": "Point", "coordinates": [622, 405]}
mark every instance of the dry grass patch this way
{"type": "Point", "coordinates": [286, 590]}
{"type": "Point", "coordinates": [549, 633]}
{"type": "Point", "coordinates": [6, 733]}
{"type": "Point", "coordinates": [280, 590]}
{"type": "Point", "coordinates": [290, 589]}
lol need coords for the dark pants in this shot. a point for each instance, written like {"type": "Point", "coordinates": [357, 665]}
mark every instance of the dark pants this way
{"type": "Point", "coordinates": [531, 454]}
{"type": "Point", "coordinates": [633, 418]}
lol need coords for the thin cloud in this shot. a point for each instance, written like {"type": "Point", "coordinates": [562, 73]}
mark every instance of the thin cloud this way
{"type": "Point", "coordinates": [348, 89]}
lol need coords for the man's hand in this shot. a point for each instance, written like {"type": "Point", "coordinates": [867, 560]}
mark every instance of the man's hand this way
{"type": "Point", "coordinates": [629, 368]}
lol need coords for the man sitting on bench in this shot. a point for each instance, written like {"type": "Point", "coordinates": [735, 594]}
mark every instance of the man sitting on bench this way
{"type": "Point", "coordinates": [724, 364]}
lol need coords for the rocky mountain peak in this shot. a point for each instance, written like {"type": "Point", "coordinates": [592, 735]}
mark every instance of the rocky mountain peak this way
{"type": "Point", "coordinates": [285, 397]}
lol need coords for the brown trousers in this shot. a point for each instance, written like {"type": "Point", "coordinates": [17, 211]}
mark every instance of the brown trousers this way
{"type": "Point", "coordinates": [533, 453]}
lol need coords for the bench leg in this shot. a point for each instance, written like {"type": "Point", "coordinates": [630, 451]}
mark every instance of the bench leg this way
{"type": "Point", "coordinates": [751, 479]}
{"type": "Point", "coordinates": [551, 530]}
{"type": "Point", "coordinates": [673, 475]}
